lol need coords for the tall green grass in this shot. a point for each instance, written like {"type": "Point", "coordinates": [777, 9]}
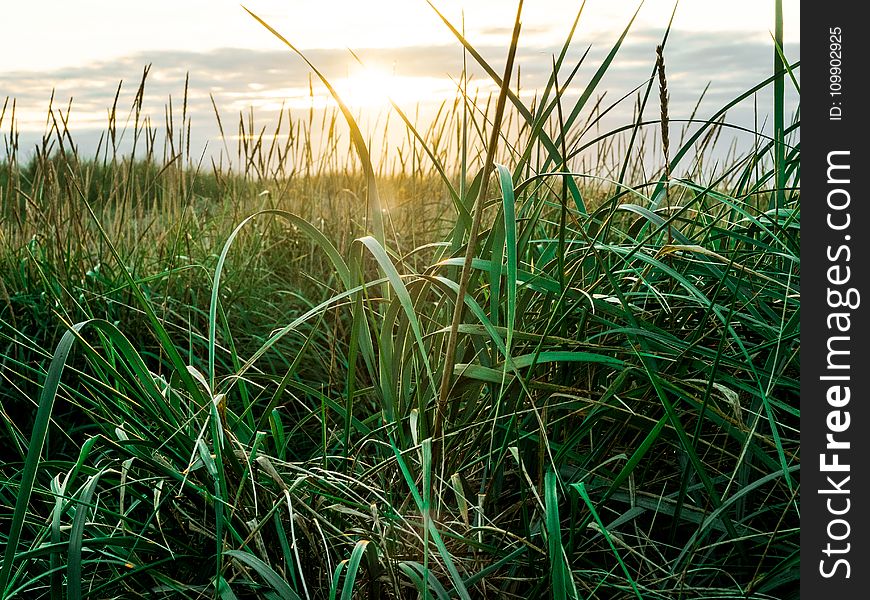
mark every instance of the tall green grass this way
{"type": "Point", "coordinates": [507, 374]}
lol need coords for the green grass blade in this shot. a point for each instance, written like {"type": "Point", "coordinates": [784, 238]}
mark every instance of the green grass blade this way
{"type": "Point", "coordinates": [76, 538]}
{"type": "Point", "coordinates": [352, 568]}
{"type": "Point", "coordinates": [560, 574]}
{"type": "Point", "coordinates": [34, 451]}
{"type": "Point", "coordinates": [376, 209]}
{"type": "Point", "coordinates": [779, 111]}
{"type": "Point", "coordinates": [581, 487]}
{"type": "Point", "coordinates": [285, 592]}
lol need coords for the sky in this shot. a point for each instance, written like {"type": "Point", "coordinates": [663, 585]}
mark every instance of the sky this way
{"type": "Point", "coordinates": [82, 49]}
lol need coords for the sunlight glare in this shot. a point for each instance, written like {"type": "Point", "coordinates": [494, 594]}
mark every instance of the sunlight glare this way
{"type": "Point", "coordinates": [374, 87]}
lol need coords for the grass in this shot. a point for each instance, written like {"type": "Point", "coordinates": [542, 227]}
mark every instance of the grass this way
{"type": "Point", "coordinates": [528, 365]}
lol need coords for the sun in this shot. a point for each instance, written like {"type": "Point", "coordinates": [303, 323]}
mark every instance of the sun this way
{"type": "Point", "coordinates": [369, 87]}
{"type": "Point", "coordinates": [375, 86]}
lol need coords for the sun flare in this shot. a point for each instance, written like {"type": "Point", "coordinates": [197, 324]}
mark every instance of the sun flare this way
{"type": "Point", "coordinates": [375, 87]}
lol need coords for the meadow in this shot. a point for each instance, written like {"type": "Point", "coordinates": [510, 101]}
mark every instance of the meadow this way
{"type": "Point", "coordinates": [511, 360]}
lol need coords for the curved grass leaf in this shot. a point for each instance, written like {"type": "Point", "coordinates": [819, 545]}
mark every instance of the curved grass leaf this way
{"type": "Point", "coordinates": [284, 591]}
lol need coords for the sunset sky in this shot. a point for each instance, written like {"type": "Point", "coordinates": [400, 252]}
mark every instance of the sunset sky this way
{"type": "Point", "coordinates": [82, 49]}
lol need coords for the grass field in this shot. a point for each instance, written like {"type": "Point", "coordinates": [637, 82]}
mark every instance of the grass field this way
{"type": "Point", "coordinates": [258, 381]}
